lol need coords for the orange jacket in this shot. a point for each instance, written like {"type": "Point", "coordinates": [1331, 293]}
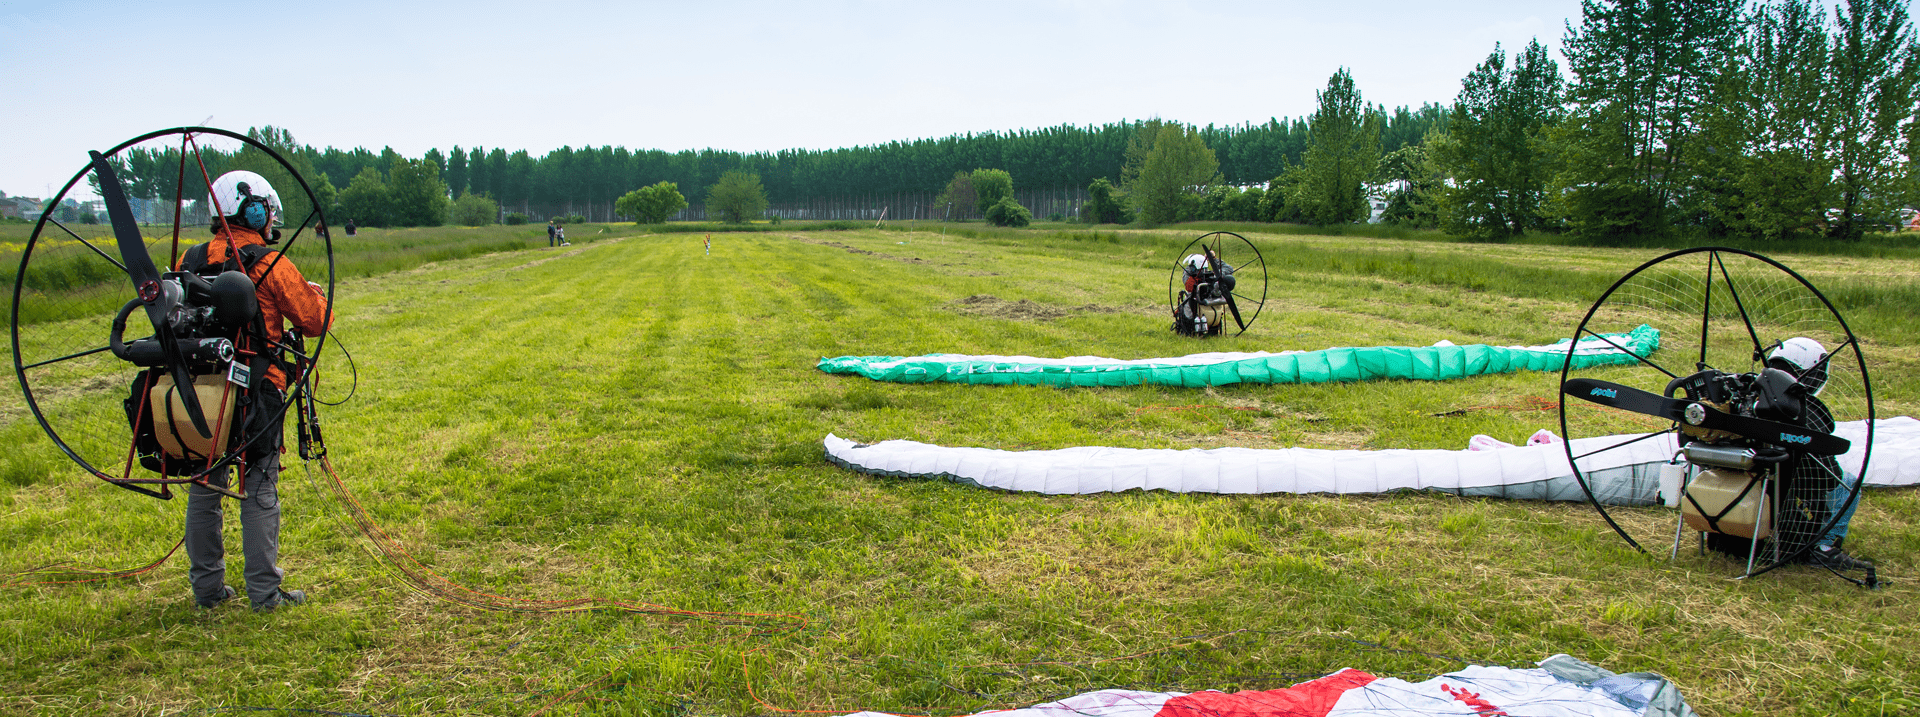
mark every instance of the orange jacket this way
{"type": "Point", "coordinates": [284, 294]}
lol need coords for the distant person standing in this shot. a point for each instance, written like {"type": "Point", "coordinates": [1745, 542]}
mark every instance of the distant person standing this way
{"type": "Point", "coordinates": [553, 234]}
{"type": "Point", "coordinates": [350, 227]}
{"type": "Point", "coordinates": [563, 237]}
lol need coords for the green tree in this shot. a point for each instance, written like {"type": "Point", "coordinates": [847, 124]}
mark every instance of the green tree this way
{"type": "Point", "coordinates": [1872, 71]}
{"type": "Point", "coordinates": [1492, 148]}
{"type": "Point", "coordinates": [473, 210]}
{"type": "Point", "coordinates": [958, 198]}
{"type": "Point", "coordinates": [328, 196]}
{"type": "Point", "coordinates": [1642, 71]}
{"type": "Point", "coordinates": [1343, 153]}
{"type": "Point", "coordinates": [295, 207]}
{"type": "Point", "coordinates": [1171, 174]}
{"type": "Point", "coordinates": [1765, 172]}
{"type": "Point", "coordinates": [365, 201]}
{"type": "Point", "coordinates": [1102, 206]}
{"type": "Point", "coordinates": [1008, 213]}
{"type": "Point", "coordinates": [479, 175]}
{"type": "Point", "coordinates": [457, 170]}
{"type": "Point", "coordinates": [653, 204]}
{"type": "Point", "coordinates": [737, 198]}
{"type": "Point", "coordinates": [419, 198]}
{"type": "Point", "coordinates": [1418, 183]}
{"type": "Point", "coordinates": [990, 186]}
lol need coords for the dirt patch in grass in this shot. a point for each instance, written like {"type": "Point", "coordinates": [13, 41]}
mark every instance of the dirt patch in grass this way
{"type": "Point", "coordinates": [1025, 309]}
{"type": "Point", "coordinates": [857, 250]}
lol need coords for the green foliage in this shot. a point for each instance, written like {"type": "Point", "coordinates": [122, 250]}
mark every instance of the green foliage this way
{"type": "Point", "coordinates": [418, 197]}
{"type": "Point", "coordinates": [516, 218]}
{"type": "Point", "coordinates": [1279, 203]}
{"type": "Point", "coordinates": [957, 200]}
{"type": "Point", "coordinates": [473, 210]}
{"type": "Point", "coordinates": [1345, 152]}
{"type": "Point", "coordinates": [1102, 206]}
{"type": "Point", "coordinates": [1873, 74]}
{"type": "Point", "coordinates": [653, 204]}
{"type": "Point", "coordinates": [457, 170]}
{"type": "Point", "coordinates": [295, 206]}
{"type": "Point", "coordinates": [990, 186]}
{"type": "Point", "coordinates": [1641, 76]}
{"type": "Point", "coordinates": [1416, 200]}
{"type": "Point", "coordinates": [1492, 149]}
{"type": "Point", "coordinates": [1008, 213]}
{"type": "Point", "coordinates": [1169, 175]}
{"type": "Point", "coordinates": [737, 197]}
{"type": "Point", "coordinates": [365, 202]}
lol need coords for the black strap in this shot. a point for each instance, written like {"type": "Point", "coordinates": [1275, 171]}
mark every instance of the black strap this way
{"type": "Point", "coordinates": [195, 260]}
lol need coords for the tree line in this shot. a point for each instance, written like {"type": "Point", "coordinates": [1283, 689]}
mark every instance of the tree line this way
{"type": "Point", "coordinates": [1713, 117]}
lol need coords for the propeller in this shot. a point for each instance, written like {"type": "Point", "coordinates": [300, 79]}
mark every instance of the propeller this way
{"type": "Point", "coordinates": [1695, 413]}
{"type": "Point", "coordinates": [1224, 281]}
{"type": "Point", "coordinates": [162, 298]}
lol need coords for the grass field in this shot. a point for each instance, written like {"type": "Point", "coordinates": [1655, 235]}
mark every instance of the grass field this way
{"type": "Point", "coordinates": [631, 419]}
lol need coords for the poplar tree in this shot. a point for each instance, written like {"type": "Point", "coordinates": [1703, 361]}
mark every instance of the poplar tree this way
{"type": "Point", "coordinates": [479, 180]}
{"type": "Point", "coordinates": [1343, 151]}
{"type": "Point", "coordinates": [457, 171]}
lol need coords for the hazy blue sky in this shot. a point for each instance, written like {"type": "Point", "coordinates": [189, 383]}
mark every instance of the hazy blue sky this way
{"type": "Point", "coordinates": [685, 75]}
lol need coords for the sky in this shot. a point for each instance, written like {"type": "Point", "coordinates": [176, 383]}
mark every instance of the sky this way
{"type": "Point", "coordinates": [745, 76]}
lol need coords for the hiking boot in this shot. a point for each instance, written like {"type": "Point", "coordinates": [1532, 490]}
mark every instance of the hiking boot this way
{"type": "Point", "coordinates": [284, 597]}
{"type": "Point", "coordinates": [228, 593]}
{"type": "Point", "coordinates": [1828, 556]}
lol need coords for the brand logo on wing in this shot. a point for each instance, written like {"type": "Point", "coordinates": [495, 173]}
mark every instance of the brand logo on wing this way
{"type": "Point", "coordinates": [1607, 392]}
{"type": "Point", "coordinates": [1790, 438]}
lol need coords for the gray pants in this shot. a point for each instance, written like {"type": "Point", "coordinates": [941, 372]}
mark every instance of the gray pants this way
{"type": "Point", "coordinates": [259, 534]}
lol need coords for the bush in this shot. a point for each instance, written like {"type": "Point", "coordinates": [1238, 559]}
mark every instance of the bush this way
{"type": "Point", "coordinates": [516, 218]}
{"type": "Point", "coordinates": [1009, 213]}
{"type": "Point", "coordinates": [573, 219]}
{"type": "Point", "coordinates": [1102, 206]}
{"type": "Point", "coordinates": [990, 186]}
{"type": "Point", "coordinates": [473, 210]}
{"type": "Point", "coordinates": [652, 204]}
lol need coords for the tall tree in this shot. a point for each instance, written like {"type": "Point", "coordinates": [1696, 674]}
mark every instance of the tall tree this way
{"type": "Point", "coordinates": [479, 180]}
{"type": "Point", "coordinates": [1492, 146]}
{"type": "Point", "coordinates": [457, 171]}
{"type": "Point", "coordinates": [1872, 73]}
{"type": "Point", "coordinates": [1764, 172]}
{"type": "Point", "coordinates": [1342, 154]}
{"type": "Point", "coordinates": [1172, 175]}
{"type": "Point", "coordinates": [1642, 70]}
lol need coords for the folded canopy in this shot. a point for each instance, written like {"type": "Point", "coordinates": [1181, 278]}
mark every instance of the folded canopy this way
{"type": "Point", "coordinates": [1439, 362]}
{"type": "Point", "coordinates": [1630, 476]}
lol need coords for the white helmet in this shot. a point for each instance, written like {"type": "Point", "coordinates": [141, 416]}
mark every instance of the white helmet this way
{"type": "Point", "coordinates": [1194, 263]}
{"type": "Point", "coordinates": [1800, 356]}
{"type": "Point", "coordinates": [232, 191]}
